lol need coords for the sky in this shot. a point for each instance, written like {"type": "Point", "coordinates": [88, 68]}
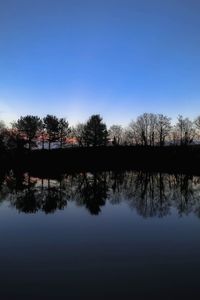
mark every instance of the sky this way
{"type": "Point", "coordinates": [116, 58]}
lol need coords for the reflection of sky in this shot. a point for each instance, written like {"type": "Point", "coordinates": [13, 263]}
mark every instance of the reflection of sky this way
{"type": "Point", "coordinates": [117, 58]}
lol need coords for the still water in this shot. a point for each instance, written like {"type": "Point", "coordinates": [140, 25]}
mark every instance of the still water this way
{"type": "Point", "coordinates": [129, 235]}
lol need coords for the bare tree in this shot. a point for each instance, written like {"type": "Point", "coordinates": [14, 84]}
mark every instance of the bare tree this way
{"type": "Point", "coordinates": [174, 135]}
{"type": "Point", "coordinates": [133, 133]}
{"type": "Point", "coordinates": [144, 129]}
{"type": "Point", "coordinates": [77, 132]}
{"type": "Point", "coordinates": [152, 128]}
{"type": "Point", "coordinates": [185, 130]}
{"type": "Point", "coordinates": [115, 134]}
{"type": "Point", "coordinates": [163, 127]}
{"type": "Point", "coordinates": [149, 129]}
{"type": "Point", "coordinates": [197, 125]}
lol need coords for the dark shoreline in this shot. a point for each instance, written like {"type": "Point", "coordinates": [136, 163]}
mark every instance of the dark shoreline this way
{"type": "Point", "coordinates": [172, 159]}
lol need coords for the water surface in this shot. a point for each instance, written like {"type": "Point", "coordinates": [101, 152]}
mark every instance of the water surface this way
{"type": "Point", "coordinates": [108, 235]}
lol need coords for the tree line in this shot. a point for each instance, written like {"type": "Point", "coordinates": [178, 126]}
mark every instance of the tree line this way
{"type": "Point", "coordinates": [148, 129]}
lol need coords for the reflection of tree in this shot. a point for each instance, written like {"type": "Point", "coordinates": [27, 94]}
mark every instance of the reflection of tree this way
{"type": "Point", "coordinates": [30, 195]}
{"type": "Point", "coordinates": [91, 191]}
{"type": "Point", "coordinates": [144, 192]}
{"type": "Point", "coordinates": [154, 194]}
{"type": "Point", "coordinates": [54, 198]}
{"type": "Point", "coordinates": [27, 202]}
{"type": "Point", "coordinates": [186, 193]}
{"type": "Point", "coordinates": [2, 187]}
{"type": "Point", "coordinates": [150, 194]}
{"type": "Point", "coordinates": [117, 179]}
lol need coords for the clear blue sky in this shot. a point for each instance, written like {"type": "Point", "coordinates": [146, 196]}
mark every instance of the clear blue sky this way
{"type": "Point", "coordinates": [119, 58]}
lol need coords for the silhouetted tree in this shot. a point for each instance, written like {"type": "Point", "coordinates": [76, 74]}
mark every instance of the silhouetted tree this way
{"type": "Point", "coordinates": [131, 135]}
{"type": "Point", "coordinates": [149, 129]}
{"type": "Point", "coordinates": [51, 125]}
{"type": "Point", "coordinates": [29, 126]}
{"type": "Point", "coordinates": [115, 134]}
{"type": "Point", "coordinates": [197, 122]}
{"type": "Point", "coordinates": [152, 128]}
{"type": "Point", "coordinates": [185, 130]}
{"type": "Point", "coordinates": [2, 129]}
{"type": "Point", "coordinates": [197, 125]}
{"type": "Point", "coordinates": [77, 132]}
{"type": "Point", "coordinates": [2, 126]}
{"type": "Point", "coordinates": [163, 127]}
{"type": "Point", "coordinates": [63, 128]}
{"type": "Point", "coordinates": [95, 132]}
{"type": "Point", "coordinates": [143, 129]}
{"type": "Point", "coordinates": [12, 139]}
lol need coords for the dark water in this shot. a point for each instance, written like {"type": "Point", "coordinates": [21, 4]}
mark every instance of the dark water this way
{"type": "Point", "coordinates": [129, 235]}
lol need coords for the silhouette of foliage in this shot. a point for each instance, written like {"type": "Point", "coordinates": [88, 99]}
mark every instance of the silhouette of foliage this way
{"type": "Point", "coordinates": [28, 125]}
{"type": "Point", "coordinates": [63, 129]}
{"type": "Point", "coordinates": [95, 132]}
{"type": "Point", "coordinates": [51, 125]}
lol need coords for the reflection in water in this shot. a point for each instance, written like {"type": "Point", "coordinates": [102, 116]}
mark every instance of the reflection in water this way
{"type": "Point", "coordinates": [149, 194]}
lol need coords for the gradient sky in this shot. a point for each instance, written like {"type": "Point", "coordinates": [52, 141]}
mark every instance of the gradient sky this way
{"type": "Point", "coordinates": [119, 58]}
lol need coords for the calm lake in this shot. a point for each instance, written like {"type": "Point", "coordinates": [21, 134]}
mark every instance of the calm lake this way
{"type": "Point", "coordinates": [129, 235]}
